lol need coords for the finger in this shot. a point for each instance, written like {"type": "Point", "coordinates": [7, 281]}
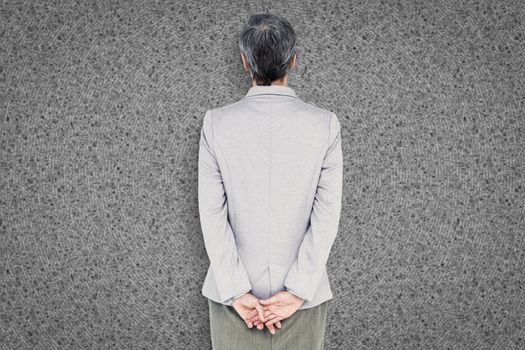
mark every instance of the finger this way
{"type": "Point", "coordinates": [270, 317]}
{"type": "Point", "coordinates": [261, 312]}
{"type": "Point", "coordinates": [252, 314]}
{"type": "Point", "coordinates": [257, 317]}
{"type": "Point", "coordinates": [271, 322]}
{"type": "Point", "coordinates": [278, 324]}
{"type": "Point", "coordinates": [268, 301]}
{"type": "Point", "coordinates": [251, 319]}
{"type": "Point", "coordinates": [271, 309]}
{"type": "Point", "coordinates": [249, 324]}
{"type": "Point", "coordinates": [255, 320]}
{"type": "Point", "coordinates": [267, 312]}
{"type": "Point", "coordinates": [271, 329]}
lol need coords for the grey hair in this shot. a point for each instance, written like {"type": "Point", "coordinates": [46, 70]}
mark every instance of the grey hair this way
{"type": "Point", "coordinates": [268, 41]}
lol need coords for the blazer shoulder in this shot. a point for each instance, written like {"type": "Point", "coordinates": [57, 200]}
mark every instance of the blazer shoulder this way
{"type": "Point", "coordinates": [220, 112]}
{"type": "Point", "coordinates": [316, 112]}
{"type": "Point", "coordinates": [325, 117]}
{"type": "Point", "coordinates": [307, 110]}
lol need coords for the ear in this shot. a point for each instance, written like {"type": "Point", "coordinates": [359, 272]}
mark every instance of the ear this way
{"type": "Point", "coordinates": [244, 64]}
{"type": "Point", "coordinates": [294, 61]}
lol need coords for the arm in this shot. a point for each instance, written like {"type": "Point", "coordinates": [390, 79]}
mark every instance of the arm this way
{"type": "Point", "coordinates": [305, 274]}
{"type": "Point", "coordinates": [228, 270]}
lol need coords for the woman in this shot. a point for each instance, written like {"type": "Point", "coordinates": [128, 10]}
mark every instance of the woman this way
{"type": "Point", "coordinates": [270, 190]}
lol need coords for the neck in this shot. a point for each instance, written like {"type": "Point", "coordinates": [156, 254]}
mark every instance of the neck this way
{"type": "Point", "coordinates": [283, 82]}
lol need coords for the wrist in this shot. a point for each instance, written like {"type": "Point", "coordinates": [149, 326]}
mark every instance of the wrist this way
{"type": "Point", "coordinates": [295, 294]}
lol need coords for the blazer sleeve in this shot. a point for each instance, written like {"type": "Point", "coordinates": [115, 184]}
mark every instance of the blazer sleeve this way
{"type": "Point", "coordinates": [305, 273]}
{"type": "Point", "coordinates": [228, 270]}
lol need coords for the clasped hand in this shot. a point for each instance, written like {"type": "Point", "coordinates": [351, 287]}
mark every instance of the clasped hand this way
{"type": "Point", "coordinates": [267, 312]}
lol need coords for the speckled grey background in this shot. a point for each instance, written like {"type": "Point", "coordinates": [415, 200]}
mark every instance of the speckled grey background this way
{"type": "Point", "coordinates": [101, 108]}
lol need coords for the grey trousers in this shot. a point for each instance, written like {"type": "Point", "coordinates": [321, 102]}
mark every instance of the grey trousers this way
{"type": "Point", "coordinates": [303, 330]}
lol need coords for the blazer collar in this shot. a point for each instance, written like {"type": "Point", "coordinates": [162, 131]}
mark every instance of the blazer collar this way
{"type": "Point", "coordinates": [270, 90]}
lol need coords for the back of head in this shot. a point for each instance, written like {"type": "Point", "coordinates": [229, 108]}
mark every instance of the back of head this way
{"type": "Point", "coordinates": [268, 42]}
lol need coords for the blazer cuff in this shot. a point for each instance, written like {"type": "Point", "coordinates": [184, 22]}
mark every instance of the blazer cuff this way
{"type": "Point", "coordinates": [240, 295]}
{"type": "Point", "coordinates": [227, 296]}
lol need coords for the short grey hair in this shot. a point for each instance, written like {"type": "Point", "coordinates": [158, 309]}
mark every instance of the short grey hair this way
{"type": "Point", "coordinates": [268, 41]}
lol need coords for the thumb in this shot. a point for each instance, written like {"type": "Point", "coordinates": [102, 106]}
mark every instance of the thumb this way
{"type": "Point", "coordinates": [268, 301]}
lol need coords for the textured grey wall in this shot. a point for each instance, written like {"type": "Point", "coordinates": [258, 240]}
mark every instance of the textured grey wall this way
{"type": "Point", "coordinates": [101, 108]}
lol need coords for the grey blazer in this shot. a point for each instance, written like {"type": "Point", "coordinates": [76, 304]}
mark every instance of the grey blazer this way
{"type": "Point", "coordinates": [270, 175]}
